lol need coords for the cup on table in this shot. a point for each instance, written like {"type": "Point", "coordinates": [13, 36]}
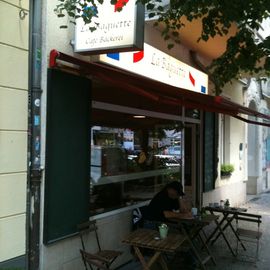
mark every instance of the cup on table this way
{"type": "Point", "coordinates": [194, 211]}
{"type": "Point", "coordinates": [216, 204]}
{"type": "Point", "coordinates": [163, 231]}
{"type": "Point", "coordinates": [221, 204]}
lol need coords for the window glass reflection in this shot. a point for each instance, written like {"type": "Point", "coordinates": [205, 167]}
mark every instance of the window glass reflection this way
{"type": "Point", "coordinates": [130, 165]}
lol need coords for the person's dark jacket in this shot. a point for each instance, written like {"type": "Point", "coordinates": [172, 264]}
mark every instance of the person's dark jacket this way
{"type": "Point", "coordinates": [160, 203]}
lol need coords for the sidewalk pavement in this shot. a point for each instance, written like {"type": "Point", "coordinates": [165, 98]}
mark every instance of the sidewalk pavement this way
{"type": "Point", "coordinates": [257, 205]}
{"type": "Point", "coordinates": [225, 261]}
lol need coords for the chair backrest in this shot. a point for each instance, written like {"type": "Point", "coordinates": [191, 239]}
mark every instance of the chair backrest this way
{"type": "Point", "coordinates": [249, 218]}
{"type": "Point", "coordinates": [86, 228]}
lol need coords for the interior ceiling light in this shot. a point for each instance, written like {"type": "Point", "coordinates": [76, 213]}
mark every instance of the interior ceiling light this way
{"type": "Point", "coordinates": [139, 116]}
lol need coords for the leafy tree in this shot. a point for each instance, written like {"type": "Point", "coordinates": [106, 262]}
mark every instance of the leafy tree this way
{"type": "Point", "coordinates": [245, 53]}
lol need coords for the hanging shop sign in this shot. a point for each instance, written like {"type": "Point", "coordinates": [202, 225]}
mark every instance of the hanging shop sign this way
{"type": "Point", "coordinates": [157, 65]}
{"type": "Point", "coordinates": [116, 31]}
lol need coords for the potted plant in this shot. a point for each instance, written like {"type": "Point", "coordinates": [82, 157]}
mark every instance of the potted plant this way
{"type": "Point", "coordinates": [226, 170]}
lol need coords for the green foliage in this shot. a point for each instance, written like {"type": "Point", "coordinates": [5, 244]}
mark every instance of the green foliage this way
{"type": "Point", "coordinates": [227, 169]}
{"type": "Point", "coordinates": [244, 54]}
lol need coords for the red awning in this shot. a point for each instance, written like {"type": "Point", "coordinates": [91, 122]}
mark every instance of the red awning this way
{"type": "Point", "coordinates": [157, 91]}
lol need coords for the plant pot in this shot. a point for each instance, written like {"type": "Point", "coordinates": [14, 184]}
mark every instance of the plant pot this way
{"type": "Point", "coordinates": [226, 174]}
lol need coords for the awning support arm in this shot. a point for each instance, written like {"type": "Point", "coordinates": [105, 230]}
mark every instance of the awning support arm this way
{"type": "Point", "coordinates": [251, 121]}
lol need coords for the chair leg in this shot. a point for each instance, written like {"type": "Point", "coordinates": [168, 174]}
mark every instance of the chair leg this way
{"type": "Point", "coordinates": [257, 251]}
{"type": "Point", "coordinates": [85, 264]}
{"type": "Point", "coordinates": [108, 265]}
{"type": "Point", "coordinates": [237, 247]}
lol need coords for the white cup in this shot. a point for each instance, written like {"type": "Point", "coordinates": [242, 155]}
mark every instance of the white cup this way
{"type": "Point", "coordinates": [194, 212]}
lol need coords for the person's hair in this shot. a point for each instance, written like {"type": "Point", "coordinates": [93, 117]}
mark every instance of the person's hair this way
{"type": "Point", "coordinates": [176, 185]}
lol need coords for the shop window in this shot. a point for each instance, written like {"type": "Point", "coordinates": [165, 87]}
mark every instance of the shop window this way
{"type": "Point", "coordinates": [192, 113]}
{"type": "Point", "coordinates": [132, 162]}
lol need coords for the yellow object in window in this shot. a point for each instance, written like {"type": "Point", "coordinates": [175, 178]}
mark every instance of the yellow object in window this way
{"type": "Point", "coordinates": [142, 158]}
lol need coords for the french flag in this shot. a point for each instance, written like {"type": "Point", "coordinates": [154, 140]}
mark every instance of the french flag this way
{"type": "Point", "coordinates": [137, 56]}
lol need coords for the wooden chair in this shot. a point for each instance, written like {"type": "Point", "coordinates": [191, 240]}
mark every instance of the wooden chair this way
{"type": "Point", "coordinates": [249, 235]}
{"type": "Point", "coordinates": [102, 259]}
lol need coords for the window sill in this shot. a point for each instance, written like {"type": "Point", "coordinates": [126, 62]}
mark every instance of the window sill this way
{"type": "Point", "coordinates": [119, 211]}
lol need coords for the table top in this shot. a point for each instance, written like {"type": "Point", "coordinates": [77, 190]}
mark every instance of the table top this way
{"type": "Point", "coordinates": [147, 239]}
{"type": "Point", "coordinates": [231, 210]}
{"type": "Point", "coordinates": [200, 220]}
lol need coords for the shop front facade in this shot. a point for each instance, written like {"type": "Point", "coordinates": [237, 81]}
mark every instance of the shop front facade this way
{"type": "Point", "coordinates": [124, 124]}
{"type": "Point", "coordinates": [109, 143]}
{"type": "Point", "coordinates": [137, 146]}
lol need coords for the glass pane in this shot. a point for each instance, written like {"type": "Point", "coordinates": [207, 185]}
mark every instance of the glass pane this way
{"type": "Point", "coordinates": [193, 113]}
{"type": "Point", "coordinates": [132, 162]}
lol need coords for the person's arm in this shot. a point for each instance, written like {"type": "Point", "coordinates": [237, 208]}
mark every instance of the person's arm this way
{"type": "Point", "coordinates": [184, 205]}
{"type": "Point", "coordinates": [171, 214]}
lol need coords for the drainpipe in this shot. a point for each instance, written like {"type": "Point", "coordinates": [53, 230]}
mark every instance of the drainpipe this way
{"type": "Point", "coordinates": [34, 170]}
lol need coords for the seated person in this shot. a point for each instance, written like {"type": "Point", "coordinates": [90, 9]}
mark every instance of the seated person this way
{"type": "Point", "coordinates": [167, 204]}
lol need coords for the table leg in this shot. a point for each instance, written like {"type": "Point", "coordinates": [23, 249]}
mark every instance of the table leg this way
{"type": "Point", "coordinates": [238, 238]}
{"type": "Point", "coordinates": [217, 228]}
{"type": "Point", "coordinates": [200, 234]}
{"type": "Point", "coordinates": [234, 231]}
{"type": "Point", "coordinates": [141, 258]}
{"type": "Point", "coordinates": [221, 228]}
{"type": "Point", "coordinates": [207, 248]}
{"type": "Point", "coordinates": [163, 263]}
{"type": "Point", "coordinates": [196, 253]}
{"type": "Point", "coordinates": [224, 237]}
{"type": "Point", "coordinates": [204, 234]}
{"type": "Point", "coordinates": [229, 224]}
{"type": "Point", "coordinates": [156, 256]}
{"type": "Point", "coordinates": [147, 265]}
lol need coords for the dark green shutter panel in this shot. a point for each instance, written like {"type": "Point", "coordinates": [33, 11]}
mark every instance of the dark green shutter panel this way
{"type": "Point", "coordinates": [210, 150]}
{"type": "Point", "coordinates": [67, 169]}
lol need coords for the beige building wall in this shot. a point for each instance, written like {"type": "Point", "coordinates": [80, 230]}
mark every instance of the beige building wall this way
{"type": "Point", "coordinates": [13, 127]}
